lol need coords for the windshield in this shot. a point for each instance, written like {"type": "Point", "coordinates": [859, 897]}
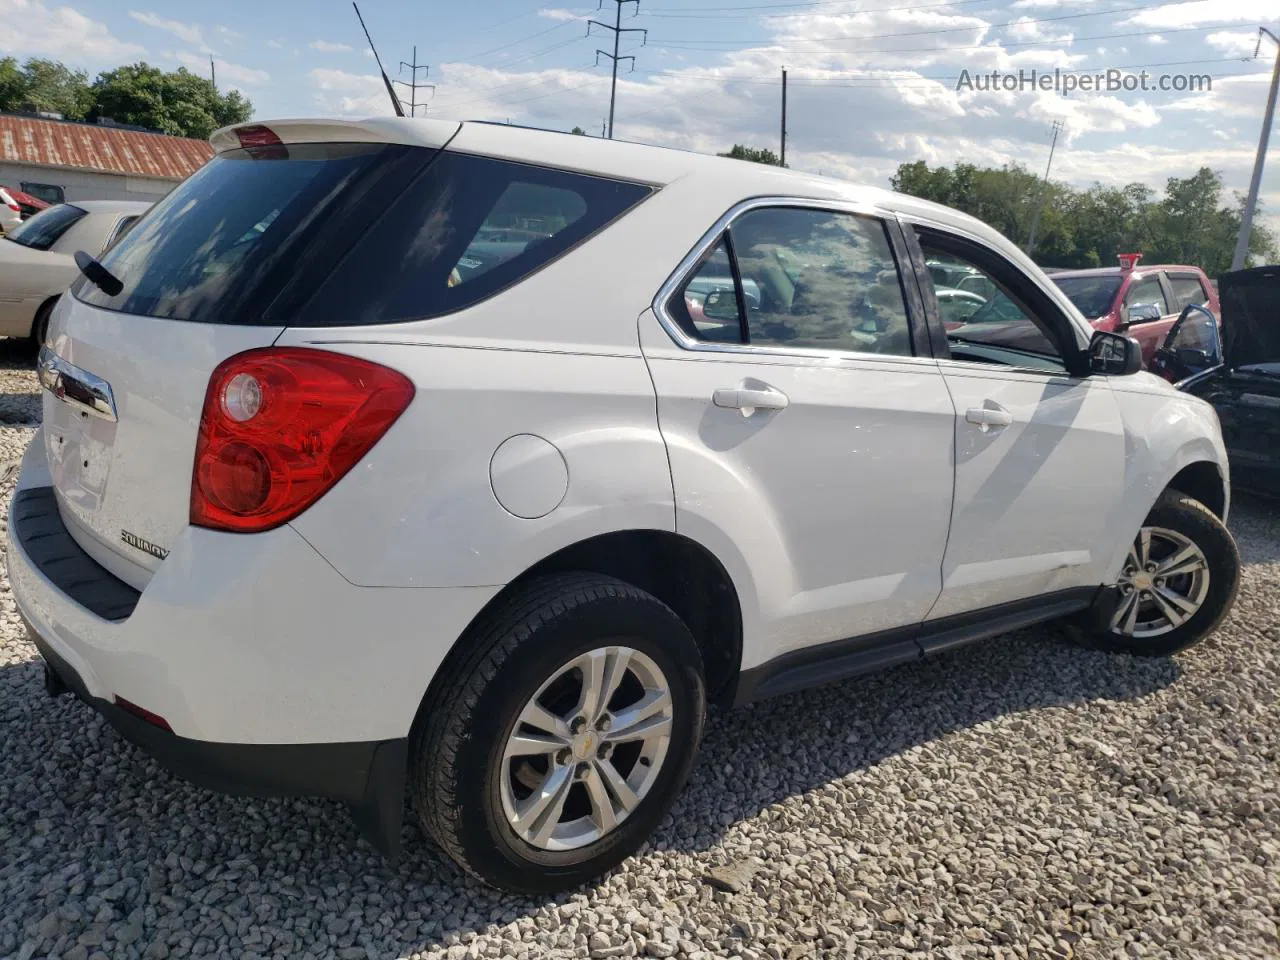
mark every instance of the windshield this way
{"type": "Point", "coordinates": [1093, 296]}
{"type": "Point", "coordinates": [43, 230]}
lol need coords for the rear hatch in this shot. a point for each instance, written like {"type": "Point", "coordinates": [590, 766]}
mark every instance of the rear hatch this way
{"type": "Point", "coordinates": [210, 271]}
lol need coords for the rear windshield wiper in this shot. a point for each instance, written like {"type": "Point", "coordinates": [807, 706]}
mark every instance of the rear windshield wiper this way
{"type": "Point", "coordinates": [98, 275]}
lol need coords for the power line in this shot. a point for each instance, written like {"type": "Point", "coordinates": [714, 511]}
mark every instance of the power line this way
{"type": "Point", "coordinates": [618, 30]}
{"type": "Point", "coordinates": [685, 44]}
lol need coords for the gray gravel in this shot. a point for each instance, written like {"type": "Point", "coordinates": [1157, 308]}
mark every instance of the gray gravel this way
{"type": "Point", "coordinates": [1021, 798]}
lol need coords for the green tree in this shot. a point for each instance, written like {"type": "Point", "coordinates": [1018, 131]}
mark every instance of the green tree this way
{"type": "Point", "coordinates": [753, 154]}
{"type": "Point", "coordinates": [1191, 223]}
{"type": "Point", "coordinates": [44, 86]}
{"type": "Point", "coordinates": [578, 132]}
{"type": "Point", "coordinates": [178, 103]}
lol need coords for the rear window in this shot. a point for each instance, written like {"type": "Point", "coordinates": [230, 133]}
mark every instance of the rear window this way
{"type": "Point", "coordinates": [1093, 296]}
{"type": "Point", "coordinates": [468, 228]}
{"type": "Point", "coordinates": [43, 230]}
{"type": "Point", "coordinates": [220, 247]}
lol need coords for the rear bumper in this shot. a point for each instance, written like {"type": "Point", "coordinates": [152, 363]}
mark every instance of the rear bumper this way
{"type": "Point", "coordinates": [252, 640]}
{"type": "Point", "coordinates": [367, 776]}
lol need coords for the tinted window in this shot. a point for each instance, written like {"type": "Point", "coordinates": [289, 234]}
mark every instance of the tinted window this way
{"type": "Point", "coordinates": [217, 248]}
{"type": "Point", "coordinates": [466, 229]}
{"type": "Point", "coordinates": [43, 230]}
{"type": "Point", "coordinates": [1188, 290]}
{"type": "Point", "coordinates": [1000, 321]}
{"type": "Point", "coordinates": [1148, 290]}
{"type": "Point", "coordinates": [121, 228]}
{"type": "Point", "coordinates": [707, 305]}
{"type": "Point", "coordinates": [826, 280]}
{"type": "Point", "coordinates": [45, 191]}
{"type": "Point", "coordinates": [1092, 296]}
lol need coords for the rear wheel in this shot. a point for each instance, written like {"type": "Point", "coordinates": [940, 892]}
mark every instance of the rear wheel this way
{"type": "Point", "coordinates": [1178, 582]}
{"type": "Point", "coordinates": [553, 749]}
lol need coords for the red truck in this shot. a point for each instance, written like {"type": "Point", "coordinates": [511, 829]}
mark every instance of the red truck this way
{"type": "Point", "coordinates": [1140, 301]}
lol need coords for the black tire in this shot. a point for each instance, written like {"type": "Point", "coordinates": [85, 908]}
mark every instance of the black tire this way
{"type": "Point", "coordinates": [1189, 517]}
{"type": "Point", "coordinates": [456, 746]}
{"type": "Point", "coordinates": [40, 325]}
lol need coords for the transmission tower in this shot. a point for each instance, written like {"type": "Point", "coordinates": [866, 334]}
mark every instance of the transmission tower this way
{"type": "Point", "coordinates": [618, 30]}
{"type": "Point", "coordinates": [413, 85]}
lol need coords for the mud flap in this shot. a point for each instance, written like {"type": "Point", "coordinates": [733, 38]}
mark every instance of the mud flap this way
{"type": "Point", "coordinates": [380, 812]}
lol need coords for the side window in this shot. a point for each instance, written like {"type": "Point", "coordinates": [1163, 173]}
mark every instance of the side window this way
{"type": "Point", "coordinates": [1188, 290]}
{"type": "Point", "coordinates": [996, 326]}
{"type": "Point", "coordinates": [820, 279]}
{"type": "Point", "coordinates": [47, 192]}
{"type": "Point", "coordinates": [119, 231]}
{"type": "Point", "coordinates": [525, 215]}
{"type": "Point", "coordinates": [1148, 290]}
{"type": "Point", "coordinates": [707, 305]}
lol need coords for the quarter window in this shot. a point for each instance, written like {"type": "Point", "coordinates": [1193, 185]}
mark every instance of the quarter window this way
{"type": "Point", "coordinates": [707, 307]}
{"type": "Point", "coordinates": [1189, 291]}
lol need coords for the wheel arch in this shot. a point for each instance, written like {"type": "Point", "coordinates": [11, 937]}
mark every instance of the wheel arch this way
{"type": "Point", "coordinates": [1202, 480]}
{"type": "Point", "coordinates": [679, 571]}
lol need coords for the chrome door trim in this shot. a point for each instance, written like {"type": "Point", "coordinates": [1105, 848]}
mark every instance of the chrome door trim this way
{"type": "Point", "coordinates": [712, 237]}
{"type": "Point", "coordinates": [75, 387]}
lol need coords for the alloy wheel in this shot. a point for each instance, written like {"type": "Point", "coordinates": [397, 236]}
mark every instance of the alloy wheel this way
{"type": "Point", "coordinates": [1163, 585]}
{"type": "Point", "coordinates": [586, 748]}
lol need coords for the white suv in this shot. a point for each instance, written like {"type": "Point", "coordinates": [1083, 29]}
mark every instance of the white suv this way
{"type": "Point", "coordinates": [479, 460]}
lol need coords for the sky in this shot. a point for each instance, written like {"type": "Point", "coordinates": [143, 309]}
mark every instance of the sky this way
{"type": "Point", "coordinates": [871, 84]}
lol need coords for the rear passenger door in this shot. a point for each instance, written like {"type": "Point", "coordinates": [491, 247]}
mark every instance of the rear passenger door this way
{"type": "Point", "coordinates": [809, 430]}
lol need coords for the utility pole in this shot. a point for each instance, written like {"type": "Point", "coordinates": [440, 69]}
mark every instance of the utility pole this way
{"type": "Point", "coordinates": [1246, 221]}
{"type": "Point", "coordinates": [213, 73]}
{"type": "Point", "coordinates": [618, 31]}
{"type": "Point", "coordinates": [413, 84]}
{"type": "Point", "coordinates": [783, 159]}
{"type": "Point", "coordinates": [1044, 189]}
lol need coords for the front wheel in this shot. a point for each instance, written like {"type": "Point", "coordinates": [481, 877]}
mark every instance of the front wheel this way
{"type": "Point", "coordinates": [1178, 582]}
{"type": "Point", "coordinates": [556, 744]}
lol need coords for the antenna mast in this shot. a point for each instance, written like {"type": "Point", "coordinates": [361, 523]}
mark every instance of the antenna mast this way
{"type": "Point", "coordinates": [391, 91]}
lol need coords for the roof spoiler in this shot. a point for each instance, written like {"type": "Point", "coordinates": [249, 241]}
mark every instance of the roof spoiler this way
{"type": "Point", "coordinates": [434, 134]}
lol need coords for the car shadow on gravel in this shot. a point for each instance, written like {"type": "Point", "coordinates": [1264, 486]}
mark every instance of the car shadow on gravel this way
{"type": "Point", "coordinates": [139, 839]}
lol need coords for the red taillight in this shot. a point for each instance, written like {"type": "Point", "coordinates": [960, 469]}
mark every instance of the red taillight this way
{"type": "Point", "coordinates": [14, 207]}
{"type": "Point", "coordinates": [283, 425]}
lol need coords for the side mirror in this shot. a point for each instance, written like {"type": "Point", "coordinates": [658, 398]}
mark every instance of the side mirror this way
{"type": "Point", "coordinates": [1114, 354]}
{"type": "Point", "coordinates": [721, 305]}
{"type": "Point", "coordinates": [1142, 313]}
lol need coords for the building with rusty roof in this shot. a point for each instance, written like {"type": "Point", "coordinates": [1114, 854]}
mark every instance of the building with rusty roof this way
{"type": "Point", "coordinates": [59, 160]}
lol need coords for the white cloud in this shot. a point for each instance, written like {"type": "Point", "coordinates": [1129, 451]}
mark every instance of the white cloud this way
{"type": "Point", "coordinates": [275, 44]}
{"type": "Point", "coordinates": [186, 32]}
{"type": "Point", "coordinates": [231, 36]}
{"type": "Point", "coordinates": [32, 27]}
{"type": "Point", "coordinates": [232, 73]}
{"type": "Point", "coordinates": [1232, 43]}
{"type": "Point", "coordinates": [1156, 40]}
{"type": "Point", "coordinates": [556, 13]}
{"type": "Point", "coordinates": [1202, 12]}
{"type": "Point", "coordinates": [324, 46]}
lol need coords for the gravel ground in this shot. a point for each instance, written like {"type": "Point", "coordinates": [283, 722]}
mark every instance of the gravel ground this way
{"type": "Point", "coordinates": [1017, 798]}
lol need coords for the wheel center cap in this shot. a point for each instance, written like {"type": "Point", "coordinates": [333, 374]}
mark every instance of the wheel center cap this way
{"type": "Point", "coordinates": [585, 744]}
{"type": "Point", "coordinates": [1142, 580]}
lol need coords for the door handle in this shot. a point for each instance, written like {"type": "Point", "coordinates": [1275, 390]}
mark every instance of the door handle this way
{"type": "Point", "coordinates": [987, 418]}
{"type": "Point", "coordinates": [749, 400]}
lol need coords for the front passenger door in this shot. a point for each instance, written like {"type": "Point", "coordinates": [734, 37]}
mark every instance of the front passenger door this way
{"type": "Point", "coordinates": [1040, 453]}
{"type": "Point", "coordinates": [1148, 290]}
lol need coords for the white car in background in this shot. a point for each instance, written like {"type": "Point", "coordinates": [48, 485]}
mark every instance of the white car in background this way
{"type": "Point", "coordinates": [10, 212]}
{"type": "Point", "coordinates": [314, 511]}
{"type": "Point", "coordinates": [36, 258]}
